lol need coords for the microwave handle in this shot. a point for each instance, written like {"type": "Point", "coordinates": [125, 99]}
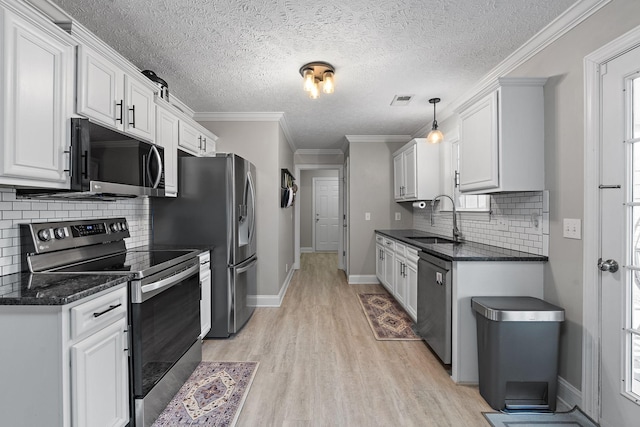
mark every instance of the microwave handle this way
{"type": "Point", "coordinates": [155, 151]}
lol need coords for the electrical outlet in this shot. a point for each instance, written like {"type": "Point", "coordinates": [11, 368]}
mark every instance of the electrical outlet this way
{"type": "Point", "coordinates": [286, 268]}
{"type": "Point", "coordinates": [397, 216]}
{"type": "Point", "coordinates": [572, 228]}
{"type": "Point", "coordinates": [367, 216]}
{"type": "Point", "coordinates": [502, 224]}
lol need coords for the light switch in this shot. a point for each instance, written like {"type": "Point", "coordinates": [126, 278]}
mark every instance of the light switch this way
{"type": "Point", "coordinates": [572, 228]}
{"type": "Point", "coordinates": [397, 216]}
{"type": "Point", "coordinates": [367, 216]}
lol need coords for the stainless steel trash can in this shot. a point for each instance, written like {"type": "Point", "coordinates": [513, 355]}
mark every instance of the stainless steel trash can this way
{"type": "Point", "coordinates": [518, 340]}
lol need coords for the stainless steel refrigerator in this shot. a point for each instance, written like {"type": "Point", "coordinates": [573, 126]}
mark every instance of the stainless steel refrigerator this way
{"type": "Point", "coordinates": [215, 208]}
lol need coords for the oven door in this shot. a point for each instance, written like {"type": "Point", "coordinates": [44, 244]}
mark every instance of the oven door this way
{"type": "Point", "coordinates": [165, 322]}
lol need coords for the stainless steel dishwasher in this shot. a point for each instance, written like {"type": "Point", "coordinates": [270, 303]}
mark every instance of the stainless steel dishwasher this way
{"type": "Point", "coordinates": [434, 304]}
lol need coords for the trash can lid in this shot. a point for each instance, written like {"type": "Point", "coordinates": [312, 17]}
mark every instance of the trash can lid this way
{"type": "Point", "coordinates": [517, 309]}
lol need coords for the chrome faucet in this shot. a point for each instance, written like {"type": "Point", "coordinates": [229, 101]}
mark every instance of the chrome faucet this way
{"type": "Point", "coordinates": [457, 235]}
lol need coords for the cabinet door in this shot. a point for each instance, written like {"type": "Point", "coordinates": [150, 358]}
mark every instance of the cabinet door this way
{"type": "Point", "coordinates": [410, 173]}
{"type": "Point", "coordinates": [100, 89]}
{"type": "Point", "coordinates": [100, 378]}
{"type": "Point", "coordinates": [208, 144]}
{"type": "Point", "coordinates": [167, 137]}
{"type": "Point", "coordinates": [190, 139]}
{"type": "Point", "coordinates": [36, 101]}
{"type": "Point", "coordinates": [140, 114]}
{"type": "Point", "coordinates": [479, 157]}
{"type": "Point", "coordinates": [411, 282]}
{"type": "Point", "coordinates": [399, 282]}
{"type": "Point", "coordinates": [389, 266]}
{"type": "Point", "coordinates": [380, 263]}
{"type": "Point", "coordinates": [398, 177]}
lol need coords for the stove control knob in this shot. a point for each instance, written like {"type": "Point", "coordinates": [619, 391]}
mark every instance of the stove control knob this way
{"type": "Point", "coordinates": [59, 233]}
{"type": "Point", "coordinates": [123, 226]}
{"type": "Point", "coordinates": [115, 227]}
{"type": "Point", "coordinates": [44, 234]}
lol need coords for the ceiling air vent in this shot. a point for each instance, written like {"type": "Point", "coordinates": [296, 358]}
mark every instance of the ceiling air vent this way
{"type": "Point", "coordinates": [401, 100]}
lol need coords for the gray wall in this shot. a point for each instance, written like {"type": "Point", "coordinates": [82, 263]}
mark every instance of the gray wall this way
{"type": "Point", "coordinates": [562, 63]}
{"type": "Point", "coordinates": [263, 144]}
{"type": "Point", "coordinates": [371, 190]}
{"type": "Point", "coordinates": [305, 193]}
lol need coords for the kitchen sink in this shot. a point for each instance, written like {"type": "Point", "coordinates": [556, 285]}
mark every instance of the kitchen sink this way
{"type": "Point", "coordinates": [431, 240]}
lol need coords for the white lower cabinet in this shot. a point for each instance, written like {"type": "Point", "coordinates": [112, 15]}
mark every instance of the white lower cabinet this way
{"type": "Point", "coordinates": [99, 378]}
{"type": "Point", "coordinates": [397, 270]}
{"type": "Point", "coordinates": [205, 293]}
{"type": "Point", "coordinates": [69, 362]}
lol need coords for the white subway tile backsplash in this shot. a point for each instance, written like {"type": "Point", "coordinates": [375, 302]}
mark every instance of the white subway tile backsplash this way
{"type": "Point", "coordinates": [515, 208]}
{"type": "Point", "coordinates": [14, 212]}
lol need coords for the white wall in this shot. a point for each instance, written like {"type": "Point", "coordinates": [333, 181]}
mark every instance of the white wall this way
{"type": "Point", "coordinates": [263, 143]}
{"type": "Point", "coordinates": [371, 190]}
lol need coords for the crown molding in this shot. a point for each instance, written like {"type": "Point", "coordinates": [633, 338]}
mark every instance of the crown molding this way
{"type": "Point", "coordinates": [239, 117]}
{"type": "Point", "coordinates": [319, 151]}
{"type": "Point", "coordinates": [277, 116]}
{"type": "Point", "coordinates": [378, 138]}
{"type": "Point", "coordinates": [576, 14]}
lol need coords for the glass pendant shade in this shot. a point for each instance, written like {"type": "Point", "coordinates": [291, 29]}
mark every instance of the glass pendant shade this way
{"type": "Point", "coordinates": [328, 85]}
{"type": "Point", "coordinates": [435, 136]}
{"type": "Point", "coordinates": [309, 80]}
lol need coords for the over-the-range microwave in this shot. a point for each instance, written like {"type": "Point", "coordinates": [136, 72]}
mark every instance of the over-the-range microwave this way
{"type": "Point", "coordinates": [106, 164]}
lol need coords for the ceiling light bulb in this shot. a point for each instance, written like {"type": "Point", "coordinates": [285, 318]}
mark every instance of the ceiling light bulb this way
{"type": "Point", "coordinates": [435, 136]}
{"type": "Point", "coordinates": [309, 80]}
{"type": "Point", "coordinates": [328, 84]}
{"type": "Point", "coordinates": [314, 93]}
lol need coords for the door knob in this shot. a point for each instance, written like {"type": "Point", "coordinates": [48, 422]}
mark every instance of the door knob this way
{"type": "Point", "coordinates": [609, 265]}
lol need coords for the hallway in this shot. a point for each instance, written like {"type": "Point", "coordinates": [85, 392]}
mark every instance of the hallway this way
{"type": "Point", "coordinates": [321, 366]}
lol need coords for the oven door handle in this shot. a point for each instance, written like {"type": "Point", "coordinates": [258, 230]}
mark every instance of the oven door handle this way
{"type": "Point", "coordinates": [163, 284]}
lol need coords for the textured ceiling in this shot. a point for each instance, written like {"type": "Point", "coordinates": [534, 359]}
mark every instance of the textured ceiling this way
{"type": "Point", "coordinates": [244, 56]}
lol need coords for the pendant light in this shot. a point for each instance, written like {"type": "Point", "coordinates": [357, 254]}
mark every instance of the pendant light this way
{"type": "Point", "coordinates": [435, 136]}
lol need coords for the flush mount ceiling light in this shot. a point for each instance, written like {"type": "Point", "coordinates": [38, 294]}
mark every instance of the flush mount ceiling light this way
{"type": "Point", "coordinates": [316, 74]}
{"type": "Point", "coordinates": [435, 136]}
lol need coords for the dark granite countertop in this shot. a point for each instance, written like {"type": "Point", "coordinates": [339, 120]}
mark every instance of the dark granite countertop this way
{"type": "Point", "coordinates": [465, 251]}
{"type": "Point", "coordinates": [54, 289]}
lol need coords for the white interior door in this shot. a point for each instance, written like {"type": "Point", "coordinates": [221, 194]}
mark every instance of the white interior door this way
{"type": "Point", "coordinates": [325, 212]}
{"type": "Point", "coordinates": [620, 242]}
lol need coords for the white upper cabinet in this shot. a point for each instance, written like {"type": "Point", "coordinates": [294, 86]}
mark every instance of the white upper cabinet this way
{"type": "Point", "coordinates": [195, 139]}
{"type": "Point", "coordinates": [36, 99]}
{"type": "Point", "coordinates": [111, 91]}
{"type": "Point", "coordinates": [167, 138]}
{"type": "Point", "coordinates": [416, 171]}
{"type": "Point", "coordinates": [502, 138]}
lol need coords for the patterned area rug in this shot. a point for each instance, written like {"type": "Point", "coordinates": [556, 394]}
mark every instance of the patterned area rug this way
{"type": "Point", "coordinates": [573, 418]}
{"type": "Point", "coordinates": [387, 318]}
{"type": "Point", "coordinates": [212, 396]}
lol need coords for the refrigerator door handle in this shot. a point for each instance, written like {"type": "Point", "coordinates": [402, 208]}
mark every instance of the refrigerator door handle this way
{"type": "Point", "coordinates": [244, 268]}
{"type": "Point", "coordinates": [252, 190]}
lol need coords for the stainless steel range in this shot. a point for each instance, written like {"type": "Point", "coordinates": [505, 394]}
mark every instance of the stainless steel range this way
{"type": "Point", "coordinates": [164, 299]}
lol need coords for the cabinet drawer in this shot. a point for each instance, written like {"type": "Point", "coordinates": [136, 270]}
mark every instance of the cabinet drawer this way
{"type": "Point", "coordinates": [94, 315]}
{"type": "Point", "coordinates": [389, 244]}
{"type": "Point", "coordinates": [379, 239]}
{"type": "Point", "coordinates": [205, 263]}
{"type": "Point", "coordinates": [400, 249]}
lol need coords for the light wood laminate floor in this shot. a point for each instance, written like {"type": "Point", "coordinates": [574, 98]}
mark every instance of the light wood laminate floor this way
{"type": "Point", "coordinates": [321, 366]}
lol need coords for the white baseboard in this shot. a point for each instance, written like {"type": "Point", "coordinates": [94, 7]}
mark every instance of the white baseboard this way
{"type": "Point", "coordinates": [363, 279]}
{"type": "Point", "coordinates": [306, 250]}
{"type": "Point", "coordinates": [568, 396]}
{"type": "Point", "coordinates": [272, 300]}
